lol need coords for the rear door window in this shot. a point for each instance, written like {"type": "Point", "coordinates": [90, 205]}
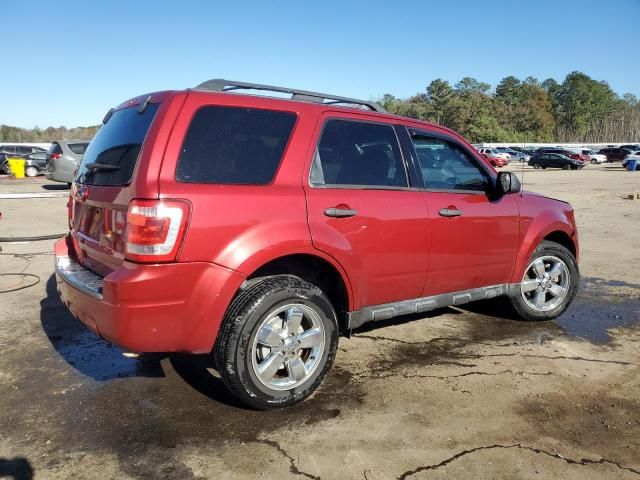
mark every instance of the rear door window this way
{"type": "Point", "coordinates": [116, 147]}
{"type": "Point", "coordinates": [234, 145]}
{"type": "Point", "coordinates": [363, 154]}
{"type": "Point", "coordinates": [78, 148]}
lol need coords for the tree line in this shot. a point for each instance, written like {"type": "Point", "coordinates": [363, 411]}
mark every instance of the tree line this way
{"type": "Point", "coordinates": [10, 134]}
{"type": "Point", "coordinates": [578, 110]}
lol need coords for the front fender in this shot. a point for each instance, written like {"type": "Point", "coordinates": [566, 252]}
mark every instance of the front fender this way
{"type": "Point", "coordinates": [541, 217]}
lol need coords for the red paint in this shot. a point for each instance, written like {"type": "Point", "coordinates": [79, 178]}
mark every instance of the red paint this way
{"type": "Point", "coordinates": [396, 247]}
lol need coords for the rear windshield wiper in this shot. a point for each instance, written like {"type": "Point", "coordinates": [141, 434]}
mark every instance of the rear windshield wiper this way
{"type": "Point", "coordinates": [101, 166]}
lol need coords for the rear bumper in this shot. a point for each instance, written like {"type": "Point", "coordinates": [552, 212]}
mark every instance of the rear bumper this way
{"type": "Point", "coordinates": [174, 307]}
{"type": "Point", "coordinates": [60, 170]}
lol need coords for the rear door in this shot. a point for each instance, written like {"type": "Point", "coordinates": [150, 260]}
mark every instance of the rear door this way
{"type": "Point", "coordinates": [474, 236]}
{"type": "Point", "coordinates": [362, 209]}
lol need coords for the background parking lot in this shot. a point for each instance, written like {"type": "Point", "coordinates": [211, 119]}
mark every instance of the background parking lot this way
{"type": "Point", "coordinates": [459, 393]}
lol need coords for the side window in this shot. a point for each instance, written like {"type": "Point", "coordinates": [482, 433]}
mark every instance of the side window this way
{"type": "Point", "coordinates": [234, 145]}
{"type": "Point", "coordinates": [359, 154]}
{"type": "Point", "coordinates": [445, 165]}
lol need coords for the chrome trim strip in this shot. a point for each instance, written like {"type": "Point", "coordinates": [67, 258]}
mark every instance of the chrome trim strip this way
{"type": "Point", "coordinates": [417, 305]}
{"type": "Point", "coordinates": [79, 277]}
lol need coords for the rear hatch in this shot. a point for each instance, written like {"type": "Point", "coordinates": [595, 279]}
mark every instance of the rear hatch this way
{"type": "Point", "coordinates": [117, 166]}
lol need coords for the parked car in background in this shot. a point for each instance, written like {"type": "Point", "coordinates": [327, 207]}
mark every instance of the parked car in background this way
{"type": "Point", "coordinates": [632, 156]}
{"type": "Point", "coordinates": [226, 224]}
{"type": "Point", "coordinates": [633, 147]}
{"type": "Point", "coordinates": [555, 160]}
{"type": "Point", "coordinates": [495, 161]}
{"type": "Point", "coordinates": [514, 154]}
{"type": "Point", "coordinates": [594, 158]}
{"type": "Point", "coordinates": [615, 154]}
{"type": "Point", "coordinates": [7, 151]}
{"type": "Point", "coordinates": [35, 164]}
{"type": "Point", "coordinates": [63, 159]}
{"type": "Point", "coordinates": [566, 152]}
{"type": "Point", "coordinates": [493, 153]}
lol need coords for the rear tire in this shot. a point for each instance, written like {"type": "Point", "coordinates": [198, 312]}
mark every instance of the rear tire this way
{"type": "Point", "coordinates": [277, 342]}
{"type": "Point", "coordinates": [5, 168]}
{"type": "Point", "coordinates": [549, 283]}
{"type": "Point", "coordinates": [536, 166]}
{"type": "Point", "coordinates": [594, 161]}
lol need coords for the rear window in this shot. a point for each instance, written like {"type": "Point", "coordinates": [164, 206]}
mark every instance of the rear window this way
{"type": "Point", "coordinates": [234, 145]}
{"type": "Point", "coordinates": [78, 148]}
{"type": "Point", "coordinates": [55, 148]}
{"type": "Point", "coordinates": [117, 144]}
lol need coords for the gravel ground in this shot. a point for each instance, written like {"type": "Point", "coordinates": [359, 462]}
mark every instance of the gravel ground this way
{"type": "Point", "coordinates": [460, 393]}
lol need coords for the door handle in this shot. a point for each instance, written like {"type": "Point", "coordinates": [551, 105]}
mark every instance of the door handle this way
{"type": "Point", "coordinates": [450, 212]}
{"type": "Point", "coordinates": [340, 212]}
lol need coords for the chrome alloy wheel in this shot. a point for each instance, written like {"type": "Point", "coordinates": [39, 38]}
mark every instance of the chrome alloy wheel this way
{"type": "Point", "coordinates": [288, 346]}
{"type": "Point", "coordinates": [545, 283]}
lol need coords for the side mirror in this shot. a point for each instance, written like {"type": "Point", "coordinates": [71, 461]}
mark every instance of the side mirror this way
{"type": "Point", "coordinates": [507, 182]}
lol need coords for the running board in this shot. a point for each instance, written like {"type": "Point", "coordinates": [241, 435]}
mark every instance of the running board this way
{"type": "Point", "coordinates": [385, 311]}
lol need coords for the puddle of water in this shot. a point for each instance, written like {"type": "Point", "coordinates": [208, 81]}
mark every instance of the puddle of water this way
{"type": "Point", "coordinates": [601, 305]}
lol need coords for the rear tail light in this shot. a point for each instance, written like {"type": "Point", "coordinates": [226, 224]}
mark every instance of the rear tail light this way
{"type": "Point", "coordinates": [55, 156]}
{"type": "Point", "coordinates": [155, 229]}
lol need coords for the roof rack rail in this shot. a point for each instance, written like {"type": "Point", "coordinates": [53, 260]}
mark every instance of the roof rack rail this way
{"type": "Point", "coordinates": [221, 85]}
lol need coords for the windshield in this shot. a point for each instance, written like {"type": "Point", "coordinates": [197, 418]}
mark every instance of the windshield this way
{"type": "Point", "coordinates": [117, 144]}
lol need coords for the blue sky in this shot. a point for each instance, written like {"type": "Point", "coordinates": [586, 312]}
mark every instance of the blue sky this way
{"type": "Point", "coordinates": [85, 57]}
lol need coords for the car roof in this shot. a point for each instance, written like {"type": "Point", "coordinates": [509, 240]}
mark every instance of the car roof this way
{"type": "Point", "coordinates": [292, 103]}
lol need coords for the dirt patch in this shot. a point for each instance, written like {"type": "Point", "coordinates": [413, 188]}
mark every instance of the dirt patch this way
{"type": "Point", "coordinates": [601, 422]}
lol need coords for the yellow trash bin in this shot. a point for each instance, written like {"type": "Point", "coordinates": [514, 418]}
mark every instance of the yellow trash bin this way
{"type": "Point", "coordinates": [16, 165]}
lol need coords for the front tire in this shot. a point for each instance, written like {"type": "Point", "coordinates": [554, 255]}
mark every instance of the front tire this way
{"type": "Point", "coordinates": [31, 172]}
{"type": "Point", "coordinates": [549, 283]}
{"type": "Point", "coordinates": [277, 342]}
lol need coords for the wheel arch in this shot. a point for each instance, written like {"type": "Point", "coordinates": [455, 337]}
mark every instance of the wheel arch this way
{"type": "Point", "coordinates": [558, 231]}
{"type": "Point", "coordinates": [317, 269]}
{"type": "Point", "coordinates": [561, 237]}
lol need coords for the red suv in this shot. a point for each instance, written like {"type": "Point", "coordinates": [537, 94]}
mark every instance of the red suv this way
{"type": "Point", "coordinates": [257, 229]}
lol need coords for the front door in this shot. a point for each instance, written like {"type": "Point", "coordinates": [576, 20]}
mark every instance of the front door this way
{"type": "Point", "coordinates": [474, 237]}
{"type": "Point", "coordinates": [363, 213]}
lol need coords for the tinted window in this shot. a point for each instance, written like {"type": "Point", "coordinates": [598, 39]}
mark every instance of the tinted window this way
{"type": "Point", "coordinates": [234, 145]}
{"type": "Point", "coordinates": [78, 148]}
{"type": "Point", "coordinates": [118, 144]}
{"type": "Point", "coordinates": [445, 165]}
{"type": "Point", "coordinates": [55, 148]}
{"type": "Point", "coordinates": [358, 153]}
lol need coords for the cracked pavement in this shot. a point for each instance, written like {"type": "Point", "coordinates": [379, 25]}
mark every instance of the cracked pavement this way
{"type": "Point", "coordinates": [457, 393]}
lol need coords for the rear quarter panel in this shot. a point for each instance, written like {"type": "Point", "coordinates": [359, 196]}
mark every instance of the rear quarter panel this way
{"type": "Point", "coordinates": [242, 227]}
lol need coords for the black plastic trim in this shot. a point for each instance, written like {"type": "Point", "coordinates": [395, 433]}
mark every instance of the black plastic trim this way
{"type": "Point", "coordinates": [386, 311]}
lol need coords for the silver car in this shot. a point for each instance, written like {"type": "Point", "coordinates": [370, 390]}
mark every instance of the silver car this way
{"type": "Point", "coordinates": [63, 159]}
